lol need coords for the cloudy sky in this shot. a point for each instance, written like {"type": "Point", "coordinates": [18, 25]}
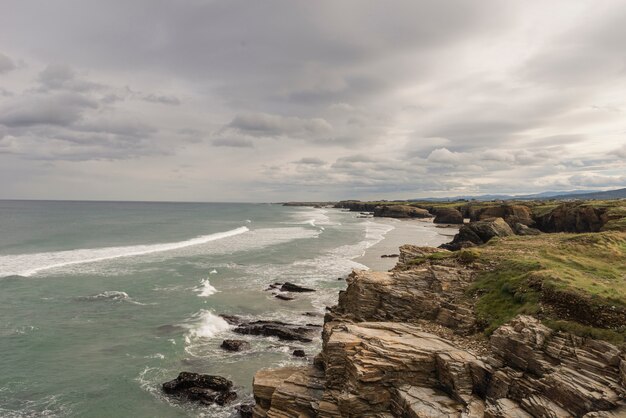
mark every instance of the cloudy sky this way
{"type": "Point", "coordinates": [201, 100]}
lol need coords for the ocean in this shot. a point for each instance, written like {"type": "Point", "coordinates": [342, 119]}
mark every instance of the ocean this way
{"type": "Point", "coordinates": [101, 302]}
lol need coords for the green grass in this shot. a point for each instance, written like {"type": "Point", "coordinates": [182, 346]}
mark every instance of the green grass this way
{"type": "Point", "coordinates": [513, 271]}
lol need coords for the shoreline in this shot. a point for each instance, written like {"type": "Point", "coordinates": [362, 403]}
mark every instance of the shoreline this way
{"type": "Point", "coordinates": [420, 232]}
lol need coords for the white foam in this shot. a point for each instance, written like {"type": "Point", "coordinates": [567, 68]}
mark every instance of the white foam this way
{"type": "Point", "coordinates": [30, 264]}
{"type": "Point", "coordinates": [213, 271]}
{"type": "Point", "coordinates": [206, 325]}
{"type": "Point", "coordinates": [205, 289]}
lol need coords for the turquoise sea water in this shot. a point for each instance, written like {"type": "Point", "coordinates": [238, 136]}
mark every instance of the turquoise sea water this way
{"type": "Point", "coordinates": [101, 302]}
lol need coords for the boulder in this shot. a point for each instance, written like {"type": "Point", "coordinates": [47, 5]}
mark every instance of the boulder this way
{"type": "Point", "coordinates": [299, 353]}
{"type": "Point", "coordinates": [448, 216]}
{"type": "Point", "coordinates": [400, 211]}
{"type": "Point", "coordinates": [235, 345]}
{"type": "Point", "coordinates": [203, 388]}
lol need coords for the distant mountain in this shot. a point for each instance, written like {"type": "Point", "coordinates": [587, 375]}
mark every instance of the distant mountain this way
{"type": "Point", "coordinates": [609, 194]}
{"type": "Point", "coordinates": [573, 194]}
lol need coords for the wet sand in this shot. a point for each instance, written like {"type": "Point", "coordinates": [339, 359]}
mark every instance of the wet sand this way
{"type": "Point", "coordinates": [406, 231]}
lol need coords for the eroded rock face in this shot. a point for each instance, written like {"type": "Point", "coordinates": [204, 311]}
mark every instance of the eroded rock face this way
{"type": "Point", "coordinates": [573, 217]}
{"type": "Point", "coordinates": [448, 216]}
{"type": "Point", "coordinates": [400, 211]}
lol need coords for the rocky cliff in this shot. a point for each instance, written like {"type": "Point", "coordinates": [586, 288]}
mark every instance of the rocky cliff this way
{"type": "Point", "coordinates": [411, 343]}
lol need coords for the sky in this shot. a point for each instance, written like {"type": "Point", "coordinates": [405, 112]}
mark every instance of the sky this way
{"type": "Point", "coordinates": [200, 100]}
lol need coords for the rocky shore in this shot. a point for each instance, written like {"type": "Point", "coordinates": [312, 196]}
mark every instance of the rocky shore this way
{"type": "Point", "coordinates": [515, 328]}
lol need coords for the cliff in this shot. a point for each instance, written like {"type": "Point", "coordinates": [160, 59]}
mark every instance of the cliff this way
{"type": "Point", "coordinates": [524, 326]}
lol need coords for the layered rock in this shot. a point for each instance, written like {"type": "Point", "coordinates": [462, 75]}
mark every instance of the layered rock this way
{"type": "Point", "coordinates": [434, 293]}
{"type": "Point", "coordinates": [402, 344]}
{"type": "Point", "coordinates": [400, 211]}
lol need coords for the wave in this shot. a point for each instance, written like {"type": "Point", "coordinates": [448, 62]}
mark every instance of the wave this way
{"type": "Point", "coordinates": [30, 264]}
{"type": "Point", "coordinates": [205, 289]}
{"type": "Point", "coordinates": [205, 325]}
{"type": "Point", "coordinates": [114, 295]}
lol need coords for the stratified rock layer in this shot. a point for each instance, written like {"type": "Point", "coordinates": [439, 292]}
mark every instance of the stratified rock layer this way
{"type": "Point", "coordinates": [403, 344]}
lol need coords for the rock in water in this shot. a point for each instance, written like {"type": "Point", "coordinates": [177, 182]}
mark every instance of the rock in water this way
{"type": "Point", "coordinates": [282, 330]}
{"type": "Point", "coordinates": [235, 345]}
{"type": "Point", "coordinates": [284, 297]}
{"type": "Point", "coordinates": [203, 388]}
{"type": "Point", "coordinates": [299, 353]}
{"type": "Point", "coordinates": [290, 287]}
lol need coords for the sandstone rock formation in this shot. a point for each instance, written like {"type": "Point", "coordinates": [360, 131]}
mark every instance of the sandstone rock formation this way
{"type": "Point", "coordinates": [400, 211]}
{"type": "Point", "coordinates": [404, 344]}
{"type": "Point", "coordinates": [448, 216]}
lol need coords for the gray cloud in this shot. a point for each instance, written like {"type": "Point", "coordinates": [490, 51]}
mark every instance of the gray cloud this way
{"type": "Point", "coordinates": [291, 100]}
{"type": "Point", "coordinates": [6, 64]}
{"type": "Point", "coordinates": [56, 109]}
{"type": "Point", "coordinates": [167, 100]}
{"type": "Point", "coordinates": [264, 124]}
{"type": "Point", "coordinates": [232, 142]}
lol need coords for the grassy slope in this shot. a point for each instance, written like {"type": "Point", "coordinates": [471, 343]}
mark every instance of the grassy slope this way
{"type": "Point", "coordinates": [513, 271]}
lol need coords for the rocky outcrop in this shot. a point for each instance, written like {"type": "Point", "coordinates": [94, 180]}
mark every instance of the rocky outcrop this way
{"type": "Point", "coordinates": [282, 330]}
{"type": "Point", "coordinates": [202, 388]}
{"type": "Point", "coordinates": [400, 211]}
{"type": "Point", "coordinates": [512, 214]}
{"type": "Point", "coordinates": [404, 344]}
{"type": "Point", "coordinates": [434, 293]}
{"type": "Point", "coordinates": [447, 216]}
{"type": "Point", "coordinates": [478, 233]}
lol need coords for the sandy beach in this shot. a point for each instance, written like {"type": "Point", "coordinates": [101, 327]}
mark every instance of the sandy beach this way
{"type": "Point", "coordinates": [406, 231]}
